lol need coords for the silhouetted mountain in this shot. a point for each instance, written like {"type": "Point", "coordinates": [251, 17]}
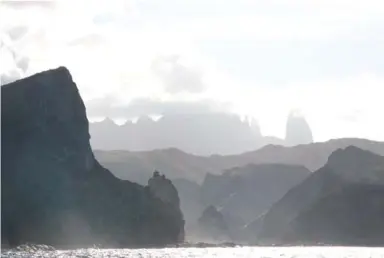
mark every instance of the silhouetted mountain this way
{"type": "Point", "coordinates": [244, 191]}
{"type": "Point", "coordinates": [312, 156]}
{"type": "Point", "coordinates": [340, 204]}
{"type": "Point", "coordinates": [138, 166]}
{"type": "Point", "coordinates": [201, 133]}
{"type": "Point", "coordinates": [196, 133]}
{"type": "Point", "coordinates": [297, 130]}
{"type": "Point", "coordinates": [53, 190]}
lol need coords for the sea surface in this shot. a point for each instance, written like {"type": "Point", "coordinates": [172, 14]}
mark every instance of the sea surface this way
{"type": "Point", "coordinates": [238, 252]}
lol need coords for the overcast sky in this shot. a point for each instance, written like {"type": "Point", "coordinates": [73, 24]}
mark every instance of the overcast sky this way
{"type": "Point", "coordinates": [256, 58]}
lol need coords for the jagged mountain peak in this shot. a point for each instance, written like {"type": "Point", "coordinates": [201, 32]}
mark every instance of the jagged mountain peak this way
{"type": "Point", "coordinates": [298, 130]}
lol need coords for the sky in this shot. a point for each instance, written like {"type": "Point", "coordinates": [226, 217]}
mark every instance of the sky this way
{"type": "Point", "coordinates": [260, 58]}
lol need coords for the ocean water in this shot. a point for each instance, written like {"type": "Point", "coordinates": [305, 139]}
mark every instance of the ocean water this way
{"type": "Point", "coordinates": [237, 252]}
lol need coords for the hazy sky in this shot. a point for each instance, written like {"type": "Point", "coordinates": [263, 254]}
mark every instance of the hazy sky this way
{"type": "Point", "coordinates": [255, 58]}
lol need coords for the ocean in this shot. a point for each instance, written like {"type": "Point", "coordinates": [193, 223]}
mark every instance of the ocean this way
{"type": "Point", "coordinates": [236, 252]}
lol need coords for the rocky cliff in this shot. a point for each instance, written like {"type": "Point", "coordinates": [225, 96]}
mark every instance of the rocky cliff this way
{"type": "Point", "coordinates": [163, 189]}
{"type": "Point", "coordinates": [211, 227]}
{"type": "Point", "coordinates": [53, 190]}
{"type": "Point", "coordinates": [297, 130]}
{"type": "Point", "coordinates": [340, 204]}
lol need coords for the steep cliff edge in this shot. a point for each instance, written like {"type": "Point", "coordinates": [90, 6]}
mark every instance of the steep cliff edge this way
{"type": "Point", "coordinates": [53, 190]}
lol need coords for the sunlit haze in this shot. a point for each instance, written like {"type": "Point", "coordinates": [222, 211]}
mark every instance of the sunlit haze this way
{"type": "Point", "coordinates": [260, 59]}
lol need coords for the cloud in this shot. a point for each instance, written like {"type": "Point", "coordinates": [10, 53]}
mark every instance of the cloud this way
{"type": "Point", "coordinates": [28, 4]}
{"type": "Point", "coordinates": [17, 32]}
{"type": "Point", "coordinates": [8, 78]}
{"type": "Point", "coordinates": [334, 108]}
{"type": "Point", "coordinates": [265, 20]}
{"type": "Point", "coordinates": [264, 57]}
{"type": "Point", "coordinates": [90, 40]}
{"type": "Point", "coordinates": [13, 66]}
{"type": "Point", "coordinates": [106, 107]}
{"type": "Point", "coordinates": [176, 76]}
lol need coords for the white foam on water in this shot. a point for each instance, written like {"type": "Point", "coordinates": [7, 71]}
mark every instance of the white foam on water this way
{"type": "Point", "coordinates": [236, 252]}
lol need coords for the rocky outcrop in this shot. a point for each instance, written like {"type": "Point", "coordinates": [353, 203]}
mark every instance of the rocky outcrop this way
{"type": "Point", "coordinates": [54, 192]}
{"type": "Point", "coordinates": [340, 204]}
{"type": "Point", "coordinates": [297, 130]}
{"type": "Point", "coordinates": [212, 226]}
{"type": "Point", "coordinates": [163, 189]}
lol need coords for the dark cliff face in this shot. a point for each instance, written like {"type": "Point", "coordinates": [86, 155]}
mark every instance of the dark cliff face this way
{"type": "Point", "coordinates": [53, 190]}
{"type": "Point", "coordinates": [340, 204]}
{"type": "Point", "coordinates": [163, 189]}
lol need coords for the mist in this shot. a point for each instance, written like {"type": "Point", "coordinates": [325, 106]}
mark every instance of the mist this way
{"type": "Point", "coordinates": [204, 133]}
{"type": "Point", "coordinates": [271, 59]}
{"type": "Point", "coordinates": [174, 124]}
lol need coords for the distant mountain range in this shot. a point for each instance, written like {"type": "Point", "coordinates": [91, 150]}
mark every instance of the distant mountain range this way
{"type": "Point", "coordinates": [200, 134]}
{"type": "Point", "coordinates": [241, 187]}
{"type": "Point", "coordinates": [139, 166]}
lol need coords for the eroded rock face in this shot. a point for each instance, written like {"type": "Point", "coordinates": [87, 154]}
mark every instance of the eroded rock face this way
{"type": "Point", "coordinates": [53, 190]}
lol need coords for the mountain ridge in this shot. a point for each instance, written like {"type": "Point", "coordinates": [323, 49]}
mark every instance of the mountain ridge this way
{"type": "Point", "coordinates": [179, 164]}
{"type": "Point", "coordinates": [197, 133]}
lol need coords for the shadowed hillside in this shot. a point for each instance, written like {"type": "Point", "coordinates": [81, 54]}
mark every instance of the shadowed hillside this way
{"type": "Point", "coordinates": [340, 204]}
{"type": "Point", "coordinates": [54, 191]}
